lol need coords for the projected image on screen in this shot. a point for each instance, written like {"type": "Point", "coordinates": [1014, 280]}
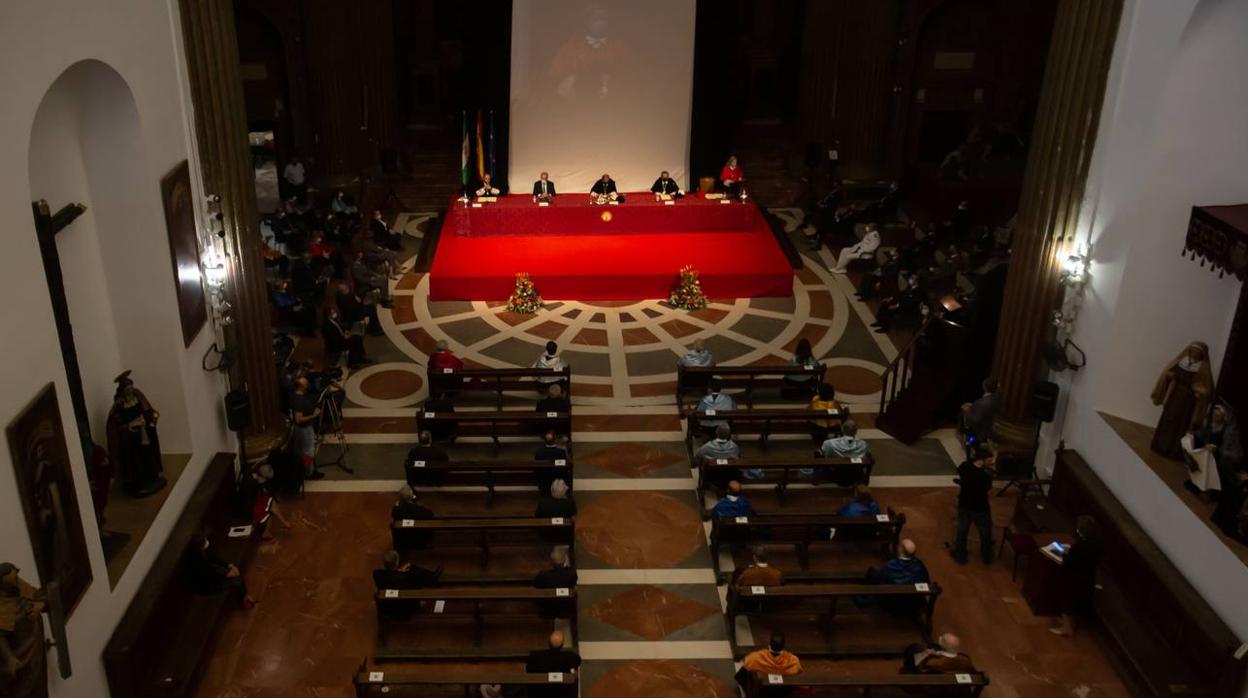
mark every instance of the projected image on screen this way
{"type": "Point", "coordinates": [600, 87]}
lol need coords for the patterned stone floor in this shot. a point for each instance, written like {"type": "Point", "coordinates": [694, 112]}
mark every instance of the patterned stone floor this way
{"type": "Point", "coordinates": [649, 610]}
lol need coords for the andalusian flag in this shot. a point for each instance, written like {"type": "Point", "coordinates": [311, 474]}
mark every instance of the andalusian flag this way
{"type": "Point", "coordinates": [492, 144]}
{"type": "Point", "coordinates": [463, 155]}
{"type": "Point", "coordinates": [480, 149]}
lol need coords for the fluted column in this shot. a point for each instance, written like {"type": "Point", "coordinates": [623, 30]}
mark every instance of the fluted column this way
{"type": "Point", "coordinates": [1057, 167]}
{"type": "Point", "coordinates": [221, 130]}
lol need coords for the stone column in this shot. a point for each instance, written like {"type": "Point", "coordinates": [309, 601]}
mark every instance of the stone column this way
{"type": "Point", "coordinates": [1057, 165]}
{"type": "Point", "coordinates": [211, 46]}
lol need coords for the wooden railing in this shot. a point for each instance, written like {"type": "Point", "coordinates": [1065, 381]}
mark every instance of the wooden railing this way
{"type": "Point", "coordinates": [897, 374]}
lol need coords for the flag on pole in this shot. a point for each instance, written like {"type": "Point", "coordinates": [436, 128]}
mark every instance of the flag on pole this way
{"type": "Point", "coordinates": [480, 149]}
{"type": "Point", "coordinates": [463, 155]}
{"type": "Point", "coordinates": [492, 144]}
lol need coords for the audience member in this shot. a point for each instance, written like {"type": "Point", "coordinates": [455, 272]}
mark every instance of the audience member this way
{"type": "Point", "coordinates": [1079, 575]}
{"type": "Point", "coordinates": [551, 361]}
{"type": "Point", "coordinates": [396, 574]}
{"type": "Point", "coordinates": [823, 402]}
{"type": "Point", "coordinates": [720, 447]}
{"type": "Point", "coordinates": [554, 658]}
{"type": "Point", "coordinates": [862, 504]}
{"type": "Point", "coordinates": [209, 574]}
{"type": "Point", "coordinates": [422, 453]}
{"type": "Point", "coordinates": [554, 401]}
{"type": "Point", "coordinates": [864, 249]}
{"type": "Point", "coordinates": [906, 304]}
{"type": "Point", "coordinates": [903, 569]}
{"type": "Point", "coordinates": [558, 504]}
{"type": "Point", "coordinates": [697, 356]}
{"type": "Point", "coordinates": [339, 339]}
{"type": "Point", "coordinates": [847, 445]}
{"type": "Point", "coordinates": [360, 316]}
{"type": "Point", "coordinates": [263, 503]}
{"type": "Point", "coordinates": [551, 448]}
{"type": "Point", "coordinates": [377, 286]}
{"type": "Point", "coordinates": [759, 572]}
{"type": "Point", "coordinates": [560, 575]}
{"type": "Point", "coordinates": [974, 481]}
{"type": "Point", "coordinates": [944, 657]}
{"type": "Point", "coordinates": [732, 504]}
{"type": "Point", "coordinates": [341, 206]}
{"type": "Point", "coordinates": [774, 659]}
{"type": "Point", "coordinates": [409, 508]}
{"type": "Point", "coordinates": [295, 176]}
{"type": "Point", "coordinates": [381, 233]}
{"type": "Point", "coordinates": [717, 401]}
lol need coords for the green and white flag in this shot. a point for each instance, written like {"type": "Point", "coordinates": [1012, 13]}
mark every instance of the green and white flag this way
{"type": "Point", "coordinates": [463, 157]}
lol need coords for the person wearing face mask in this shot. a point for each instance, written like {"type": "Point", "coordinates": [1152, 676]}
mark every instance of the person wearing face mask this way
{"type": "Point", "coordinates": [1183, 390]}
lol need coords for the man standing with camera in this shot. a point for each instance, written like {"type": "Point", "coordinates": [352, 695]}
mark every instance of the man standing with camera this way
{"type": "Point", "coordinates": [305, 413]}
{"type": "Point", "coordinates": [974, 481]}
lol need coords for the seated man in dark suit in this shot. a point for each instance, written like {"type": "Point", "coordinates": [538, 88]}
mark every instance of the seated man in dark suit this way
{"type": "Point", "coordinates": [561, 573]}
{"type": "Point", "coordinates": [409, 508]}
{"type": "Point", "coordinates": [558, 504]}
{"type": "Point", "coordinates": [395, 574]}
{"type": "Point", "coordinates": [551, 450]}
{"type": "Point", "coordinates": [666, 185]}
{"type": "Point", "coordinates": [543, 189]}
{"type": "Point", "coordinates": [604, 191]}
{"type": "Point", "coordinates": [555, 401]}
{"type": "Point", "coordinates": [423, 452]}
{"type": "Point", "coordinates": [903, 569]}
{"type": "Point", "coordinates": [554, 658]}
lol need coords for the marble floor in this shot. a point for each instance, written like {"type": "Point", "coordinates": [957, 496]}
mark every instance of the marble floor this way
{"type": "Point", "coordinates": [650, 615]}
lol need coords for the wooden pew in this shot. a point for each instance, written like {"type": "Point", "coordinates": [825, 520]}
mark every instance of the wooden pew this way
{"type": "Point", "coordinates": [490, 532]}
{"type": "Point", "coordinates": [473, 602]}
{"type": "Point", "coordinates": [494, 423]}
{"type": "Point", "coordinates": [891, 631]}
{"type": "Point", "coordinates": [422, 681]}
{"type": "Point", "coordinates": [763, 422]}
{"type": "Point", "coordinates": [803, 530]}
{"type": "Point", "coordinates": [495, 380]}
{"type": "Point", "coordinates": [783, 472]}
{"type": "Point", "coordinates": [488, 474]}
{"type": "Point", "coordinates": [157, 647]}
{"type": "Point", "coordinates": [871, 686]}
{"type": "Point", "coordinates": [695, 379]}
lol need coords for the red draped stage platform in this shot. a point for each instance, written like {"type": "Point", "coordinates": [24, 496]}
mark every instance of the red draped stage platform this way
{"type": "Point", "coordinates": [633, 251]}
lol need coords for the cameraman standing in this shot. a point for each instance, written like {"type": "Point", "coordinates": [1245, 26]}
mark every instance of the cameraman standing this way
{"type": "Point", "coordinates": [974, 481]}
{"type": "Point", "coordinates": [305, 413]}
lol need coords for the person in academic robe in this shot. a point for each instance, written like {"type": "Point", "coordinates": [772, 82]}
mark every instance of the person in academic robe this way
{"type": "Point", "coordinates": [715, 400]}
{"type": "Point", "coordinates": [759, 573]}
{"type": "Point", "coordinates": [732, 504]}
{"type": "Point", "coordinates": [408, 507]}
{"type": "Point", "coordinates": [1184, 390]}
{"type": "Point", "coordinates": [555, 401]}
{"type": "Point", "coordinates": [543, 189]}
{"type": "Point", "coordinates": [772, 659]}
{"type": "Point", "coordinates": [944, 657]}
{"type": "Point", "coordinates": [697, 355]}
{"type": "Point", "coordinates": [208, 574]}
{"type": "Point", "coordinates": [560, 573]}
{"type": "Point", "coordinates": [396, 574]}
{"type": "Point", "coordinates": [557, 504]}
{"type": "Point", "coordinates": [133, 443]}
{"type": "Point", "coordinates": [553, 658]}
{"type": "Point", "coordinates": [487, 187]}
{"type": "Point", "coordinates": [732, 176]}
{"type": "Point", "coordinates": [604, 191]}
{"type": "Point", "coordinates": [666, 185]}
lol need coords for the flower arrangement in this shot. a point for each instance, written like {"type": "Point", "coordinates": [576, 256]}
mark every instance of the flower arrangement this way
{"type": "Point", "coordinates": [688, 292]}
{"type": "Point", "coordinates": [524, 299]}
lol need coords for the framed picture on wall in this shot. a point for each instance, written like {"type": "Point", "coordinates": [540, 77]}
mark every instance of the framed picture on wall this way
{"type": "Point", "coordinates": [175, 193]}
{"type": "Point", "coordinates": [45, 485]}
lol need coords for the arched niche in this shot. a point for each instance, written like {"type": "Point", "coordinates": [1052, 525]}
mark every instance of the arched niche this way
{"type": "Point", "coordinates": [87, 146]}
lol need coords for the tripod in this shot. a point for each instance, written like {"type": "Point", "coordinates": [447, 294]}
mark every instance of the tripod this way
{"type": "Point", "coordinates": [330, 426]}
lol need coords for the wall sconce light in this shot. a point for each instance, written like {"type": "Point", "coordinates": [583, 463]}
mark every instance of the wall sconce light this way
{"type": "Point", "coordinates": [1075, 267]}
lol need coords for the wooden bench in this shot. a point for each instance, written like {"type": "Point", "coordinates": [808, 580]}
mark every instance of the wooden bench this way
{"type": "Point", "coordinates": [419, 682]}
{"type": "Point", "coordinates": [764, 422]}
{"type": "Point", "coordinates": [696, 378]}
{"type": "Point", "coordinates": [803, 530]}
{"type": "Point", "coordinates": [473, 602]}
{"type": "Point", "coordinates": [871, 686]}
{"type": "Point", "coordinates": [157, 647]}
{"type": "Point", "coordinates": [782, 472]}
{"type": "Point", "coordinates": [488, 474]}
{"type": "Point", "coordinates": [494, 424]}
{"type": "Point", "coordinates": [495, 380]}
{"type": "Point", "coordinates": [900, 614]}
{"type": "Point", "coordinates": [490, 532]}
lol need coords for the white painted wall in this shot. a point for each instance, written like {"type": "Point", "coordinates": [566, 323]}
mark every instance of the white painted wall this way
{"type": "Point", "coordinates": [1171, 136]}
{"type": "Point", "coordinates": [132, 276]}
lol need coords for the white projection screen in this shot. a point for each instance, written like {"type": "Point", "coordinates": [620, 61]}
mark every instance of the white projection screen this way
{"type": "Point", "coordinates": [600, 87]}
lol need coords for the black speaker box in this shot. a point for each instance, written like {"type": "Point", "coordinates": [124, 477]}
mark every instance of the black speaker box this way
{"type": "Point", "coordinates": [237, 409]}
{"type": "Point", "coordinates": [1044, 401]}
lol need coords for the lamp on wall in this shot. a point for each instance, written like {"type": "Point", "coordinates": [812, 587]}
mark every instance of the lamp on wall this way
{"type": "Point", "coordinates": [1075, 267]}
{"type": "Point", "coordinates": [213, 261]}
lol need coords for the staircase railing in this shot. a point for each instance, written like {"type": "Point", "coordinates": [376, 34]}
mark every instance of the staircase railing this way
{"type": "Point", "coordinates": [896, 375]}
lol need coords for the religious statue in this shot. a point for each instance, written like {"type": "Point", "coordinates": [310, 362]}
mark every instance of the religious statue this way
{"type": "Point", "coordinates": [23, 651]}
{"type": "Point", "coordinates": [133, 445]}
{"type": "Point", "coordinates": [1184, 391]}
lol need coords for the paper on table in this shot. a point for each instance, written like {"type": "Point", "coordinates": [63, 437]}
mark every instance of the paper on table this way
{"type": "Point", "coordinates": [239, 532]}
